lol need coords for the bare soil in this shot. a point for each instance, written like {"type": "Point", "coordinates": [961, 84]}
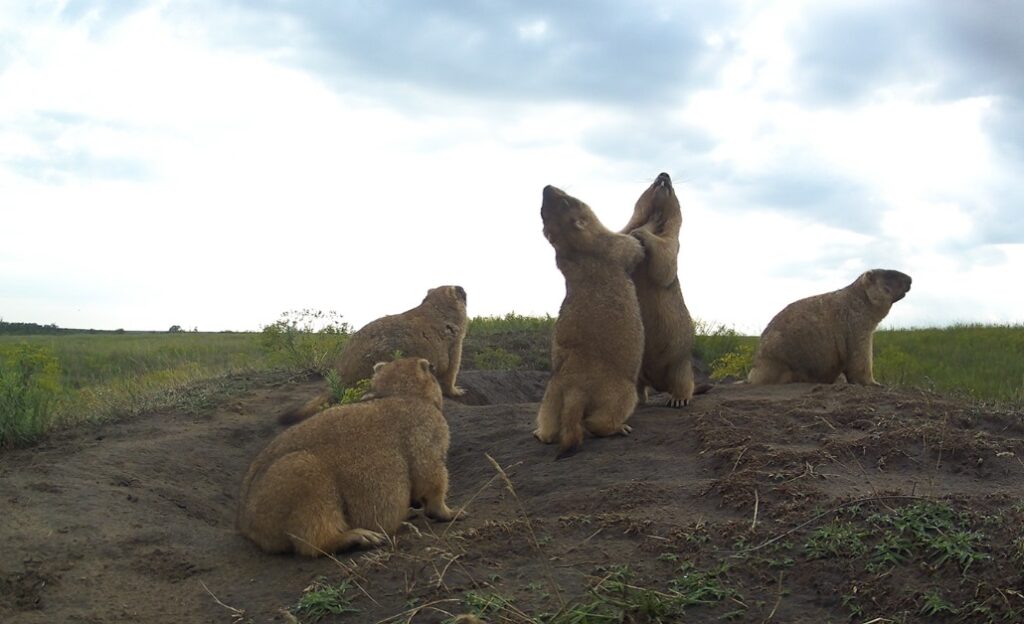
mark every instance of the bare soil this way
{"type": "Point", "coordinates": [133, 521]}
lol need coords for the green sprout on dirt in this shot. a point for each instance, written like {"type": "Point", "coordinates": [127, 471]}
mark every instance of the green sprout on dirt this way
{"type": "Point", "coordinates": [932, 603]}
{"type": "Point", "coordinates": [929, 526]}
{"type": "Point", "coordinates": [836, 539]}
{"type": "Point", "coordinates": [321, 599]}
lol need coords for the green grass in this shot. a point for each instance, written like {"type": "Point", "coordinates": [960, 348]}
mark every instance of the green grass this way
{"type": "Point", "coordinates": [53, 381]}
{"type": "Point", "coordinates": [982, 362]}
{"type": "Point", "coordinates": [617, 596]}
{"type": "Point", "coordinates": [509, 342]}
{"type": "Point", "coordinates": [322, 599]}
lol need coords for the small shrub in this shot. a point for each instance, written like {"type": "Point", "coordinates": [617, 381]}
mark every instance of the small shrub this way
{"type": "Point", "coordinates": [734, 363]}
{"type": "Point", "coordinates": [305, 340]}
{"type": "Point", "coordinates": [29, 388]}
{"type": "Point", "coordinates": [341, 394]}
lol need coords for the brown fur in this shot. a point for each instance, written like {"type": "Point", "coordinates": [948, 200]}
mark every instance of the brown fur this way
{"type": "Point", "coordinates": [433, 330]}
{"type": "Point", "coordinates": [818, 338]}
{"type": "Point", "coordinates": [345, 477]}
{"type": "Point", "coordinates": [598, 338]}
{"type": "Point", "coordinates": [668, 329]}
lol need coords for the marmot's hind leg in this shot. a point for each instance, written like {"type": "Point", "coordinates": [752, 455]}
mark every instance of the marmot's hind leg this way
{"type": "Point", "coordinates": [340, 540]}
{"type": "Point", "coordinates": [321, 529]}
{"type": "Point", "coordinates": [548, 418]}
{"type": "Point", "coordinates": [680, 384]}
{"type": "Point", "coordinates": [612, 410]}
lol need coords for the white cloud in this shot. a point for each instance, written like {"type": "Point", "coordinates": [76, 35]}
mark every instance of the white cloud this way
{"type": "Point", "coordinates": [151, 176]}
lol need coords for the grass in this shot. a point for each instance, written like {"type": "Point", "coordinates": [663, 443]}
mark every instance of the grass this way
{"type": "Point", "coordinates": [53, 381]}
{"type": "Point", "coordinates": [321, 599]}
{"type": "Point", "coordinates": [982, 362]}
{"type": "Point", "coordinates": [617, 596]}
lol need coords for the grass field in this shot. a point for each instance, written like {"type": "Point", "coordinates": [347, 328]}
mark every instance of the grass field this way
{"type": "Point", "coordinates": [980, 362]}
{"type": "Point", "coordinates": [49, 381]}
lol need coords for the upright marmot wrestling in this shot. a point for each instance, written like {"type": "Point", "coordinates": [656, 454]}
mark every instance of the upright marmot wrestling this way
{"type": "Point", "coordinates": [347, 476]}
{"type": "Point", "coordinates": [433, 330]}
{"type": "Point", "coordinates": [668, 328]}
{"type": "Point", "coordinates": [598, 338]}
{"type": "Point", "coordinates": [818, 338]}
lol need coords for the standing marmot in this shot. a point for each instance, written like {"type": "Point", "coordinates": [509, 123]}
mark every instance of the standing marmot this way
{"type": "Point", "coordinates": [817, 338]}
{"type": "Point", "coordinates": [598, 339]}
{"type": "Point", "coordinates": [433, 330]}
{"type": "Point", "coordinates": [668, 328]}
{"type": "Point", "coordinates": [346, 476]}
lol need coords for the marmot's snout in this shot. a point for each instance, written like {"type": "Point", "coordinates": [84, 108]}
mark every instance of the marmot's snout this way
{"type": "Point", "coordinates": [664, 180]}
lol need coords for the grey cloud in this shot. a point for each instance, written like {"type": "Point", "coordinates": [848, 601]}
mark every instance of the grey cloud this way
{"type": "Point", "coordinates": [962, 49]}
{"type": "Point", "coordinates": [594, 51]}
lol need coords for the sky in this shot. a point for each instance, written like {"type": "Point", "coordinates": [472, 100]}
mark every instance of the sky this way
{"type": "Point", "coordinates": [215, 163]}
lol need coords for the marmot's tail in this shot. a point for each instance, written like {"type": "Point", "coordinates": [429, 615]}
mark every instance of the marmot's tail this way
{"type": "Point", "coordinates": [307, 409]}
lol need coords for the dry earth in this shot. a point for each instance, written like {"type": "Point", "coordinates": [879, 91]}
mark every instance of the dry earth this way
{"type": "Point", "coordinates": [133, 521]}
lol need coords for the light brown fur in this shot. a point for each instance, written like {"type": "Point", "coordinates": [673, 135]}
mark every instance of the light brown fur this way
{"type": "Point", "coordinates": [598, 338]}
{"type": "Point", "coordinates": [668, 329]}
{"type": "Point", "coordinates": [433, 330]}
{"type": "Point", "coordinates": [346, 476]}
{"type": "Point", "coordinates": [821, 337]}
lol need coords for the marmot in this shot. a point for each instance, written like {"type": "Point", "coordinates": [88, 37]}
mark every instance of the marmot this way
{"type": "Point", "coordinates": [346, 476]}
{"type": "Point", "coordinates": [598, 339]}
{"type": "Point", "coordinates": [818, 338]}
{"type": "Point", "coordinates": [668, 329]}
{"type": "Point", "coordinates": [433, 330]}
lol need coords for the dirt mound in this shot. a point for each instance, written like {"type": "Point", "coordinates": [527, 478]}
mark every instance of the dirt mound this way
{"type": "Point", "coordinates": [490, 387]}
{"type": "Point", "coordinates": [798, 503]}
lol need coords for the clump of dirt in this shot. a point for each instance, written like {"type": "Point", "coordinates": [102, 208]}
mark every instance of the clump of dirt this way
{"type": "Point", "coordinates": [798, 503]}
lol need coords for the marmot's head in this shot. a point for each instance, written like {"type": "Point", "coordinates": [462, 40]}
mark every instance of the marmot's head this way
{"type": "Point", "coordinates": [447, 296]}
{"type": "Point", "coordinates": [655, 205]}
{"type": "Point", "coordinates": [885, 287]}
{"type": "Point", "coordinates": [568, 223]}
{"type": "Point", "coordinates": [406, 377]}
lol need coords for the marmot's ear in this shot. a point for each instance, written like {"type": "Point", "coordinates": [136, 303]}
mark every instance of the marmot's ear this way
{"type": "Point", "coordinates": [378, 366]}
{"type": "Point", "coordinates": [580, 224]}
{"type": "Point", "coordinates": [426, 365]}
{"type": "Point", "coordinates": [460, 292]}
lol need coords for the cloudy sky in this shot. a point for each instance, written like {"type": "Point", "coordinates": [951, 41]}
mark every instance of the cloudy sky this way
{"type": "Point", "coordinates": [212, 164]}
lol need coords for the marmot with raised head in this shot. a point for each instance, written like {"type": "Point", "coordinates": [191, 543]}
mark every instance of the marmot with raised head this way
{"type": "Point", "coordinates": [346, 476]}
{"type": "Point", "coordinates": [598, 339]}
{"type": "Point", "coordinates": [818, 338]}
{"type": "Point", "coordinates": [433, 330]}
{"type": "Point", "coordinates": [668, 329]}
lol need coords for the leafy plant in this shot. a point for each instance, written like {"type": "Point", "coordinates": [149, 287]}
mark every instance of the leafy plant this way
{"type": "Point", "coordinates": [305, 340]}
{"type": "Point", "coordinates": [734, 363]}
{"type": "Point", "coordinates": [29, 387]}
{"type": "Point", "coordinates": [342, 394]}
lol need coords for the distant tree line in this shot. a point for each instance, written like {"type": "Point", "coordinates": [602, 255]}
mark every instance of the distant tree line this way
{"type": "Point", "coordinates": [28, 329]}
